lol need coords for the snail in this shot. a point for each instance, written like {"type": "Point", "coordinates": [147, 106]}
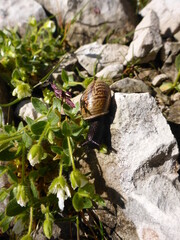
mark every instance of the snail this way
{"type": "Point", "coordinates": [95, 103]}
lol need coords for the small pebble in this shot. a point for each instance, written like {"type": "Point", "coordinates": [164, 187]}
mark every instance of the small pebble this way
{"type": "Point", "coordinates": [159, 79]}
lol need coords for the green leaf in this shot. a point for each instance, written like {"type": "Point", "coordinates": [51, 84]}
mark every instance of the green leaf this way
{"type": "Point", "coordinates": [80, 202]}
{"type": "Point", "coordinates": [53, 118]}
{"type": "Point", "coordinates": [88, 189]}
{"type": "Point", "coordinates": [33, 188]}
{"type": "Point", "coordinates": [20, 126]}
{"type": "Point", "coordinates": [13, 208]}
{"type": "Point", "coordinates": [76, 130]}
{"type": "Point", "coordinates": [27, 140]}
{"type": "Point", "coordinates": [26, 237]}
{"type": "Point", "coordinates": [87, 203]}
{"type": "Point", "coordinates": [56, 149]}
{"type": "Point", "coordinates": [29, 121]}
{"type": "Point", "coordinates": [69, 111]}
{"type": "Point", "coordinates": [12, 176]}
{"type": "Point", "coordinates": [37, 128]}
{"type": "Point", "coordinates": [4, 223]}
{"type": "Point", "coordinates": [177, 62]}
{"type": "Point", "coordinates": [77, 202]}
{"type": "Point", "coordinates": [66, 129]}
{"type": "Point", "coordinates": [16, 74]}
{"type": "Point", "coordinates": [47, 226]}
{"type": "Point", "coordinates": [166, 87]}
{"type": "Point", "coordinates": [39, 106]}
{"type": "Point", "coordinates": [3, 194]}
{"type": "Point", "coordinates": [86, 82]}
{"type": "Point", "coordinates": [57, 104]}
{"type": "Point", "coordinates": [178, 87]}
{"type": "Point", "coordinates": [66, 159]}
{"type": "Point", "coordinates": [64, 76]}
{"type": "Point", "coordinates": [3, 170]}
{"type": "Point", "coordinates": [8, 154]}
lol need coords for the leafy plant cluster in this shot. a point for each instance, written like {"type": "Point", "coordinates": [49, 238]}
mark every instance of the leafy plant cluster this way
{"type": "Point", "coordinates": [23, 61]}
{"type": "Point", "coordinates": [41, 157]}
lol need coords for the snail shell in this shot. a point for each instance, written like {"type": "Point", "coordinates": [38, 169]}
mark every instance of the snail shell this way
{"type": "Point", "coordinates": [95, 100]}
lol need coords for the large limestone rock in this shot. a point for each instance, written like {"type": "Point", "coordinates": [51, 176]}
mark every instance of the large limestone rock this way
{"type": "Point", "coordinates": [93, 19]}
{"type": "Point", "coordinates": [147, 40]}
{"type": "Point", "coordinates": [103, 55]}
{"type": "Point", "coordinates": [141, 169]}
{"type": "Point", "coordinates": [168, 12]}
{"type": "Point", "coordinates": [16, 13]}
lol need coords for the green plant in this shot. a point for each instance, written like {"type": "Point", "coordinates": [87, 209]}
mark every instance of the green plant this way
{"type": "Point", "coordinates": [40, 159]}
{"type": "Point", "coordinates": [23, 61]}
{"type": "Point", "coordinates": [168, 87]}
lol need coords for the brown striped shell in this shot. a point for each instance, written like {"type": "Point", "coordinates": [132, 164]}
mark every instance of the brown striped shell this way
{"type": "Point", "coordinates": [95, 100]}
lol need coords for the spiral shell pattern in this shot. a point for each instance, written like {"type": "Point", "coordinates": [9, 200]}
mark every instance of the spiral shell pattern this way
{"type": "Point", "coordinates": [95, 100]}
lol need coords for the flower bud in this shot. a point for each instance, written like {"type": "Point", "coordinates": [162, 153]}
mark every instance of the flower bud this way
{"type": "Point", "coordinates": [77, 179]}
{"type": "Point", "coordinates": [21, 195]}
{"type": "Point", "coordinates": [50, 25]}
{"type": "Point", "coordinates": [35, 154]}
{"type": "Point", "coordinates": [22, 90]}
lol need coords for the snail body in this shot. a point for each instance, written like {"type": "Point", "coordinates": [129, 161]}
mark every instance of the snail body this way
{"type": "Point", "coordinates": [95, 103]}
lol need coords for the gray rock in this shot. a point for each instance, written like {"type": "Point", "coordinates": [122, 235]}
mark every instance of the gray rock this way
{"type": "Point", "coordinates": [25, 109]}
{"type": "Point", "coordinates": [141, 169]}
{"type": "Point", "coordinates": [111, 71]}
{"type": "Point", "coordinates": [144, 143]}
{"type": "Point", "coordinates": [94, 19]}
{"type": "Point", "coordinates": [168, 13]}
{"type": "Point", "coordinates": [68, 64]}
{"type": "Point", "coordinates": [159, 79]}
{"type": "Point", "coordinates": [103, 55]}
{"type": "Point", "coordinates": [130, 85]}
{"type": "Point", "coordinates": [169, 51]}
{"type": "Point", "coordinates": [177, 36]}
{"type": "Point", "coordinates": [168, 54]}
{"type": "Point", "coordinates": [174, 113]}
{"type": "Point", "coordinates": [154, 209]}
{"type": "Point", "coordinates": [147, 40]}
{"type": "Point", "coordinates": [16, 13]}
{"type": "Point", "coordinates": [175, 97]}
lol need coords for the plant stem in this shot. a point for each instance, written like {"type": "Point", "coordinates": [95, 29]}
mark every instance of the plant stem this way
{"type": "Point", "coordinates": [70, 153]}
{"type": "Point", "coordinates": [23, 164]}
{"type": "Point", "coordinates": [10, 139]}
{"type": "Point", "coordinates": [77, 225]}
{"type": "Point", "coordinates": [177, 79]}
{"type": "Point", "coordinates": [61, 168]}
{"type": "Point", "coordinates": [43, 133]}
{"type": "Point", "coordinates": [30, 221]}
{"type": "Point", "coordinates": [11, 103]}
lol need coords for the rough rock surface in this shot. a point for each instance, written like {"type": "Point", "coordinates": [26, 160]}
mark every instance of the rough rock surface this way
{"type": "Point", "coordinates": [154, 209]}
{"type": "Point", "coordinates": [25, 109]}
{"type": "Point", "coordinates": [147, 40]}
{"type": "Point", "coordinates": [94, 19]}
{"type": "Point", "coordinates": [142, 167]}
{"type": "Point", "coordinates": [103, 55]}
{"type": "Point", "coordinates": [111, 71]}
{"type": "Point", "coordinates": [168, 12]}
{"type": "Point", "coordinates": [168, 54]}
{"type": "Point", "coordinates": [174, 113]}
{"type": "Point", "coordinates": [130, 85]}
{"type": "Point", "coordinates": [15, 13]}
{"type": "Point", "coordinates": [158, 79]}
